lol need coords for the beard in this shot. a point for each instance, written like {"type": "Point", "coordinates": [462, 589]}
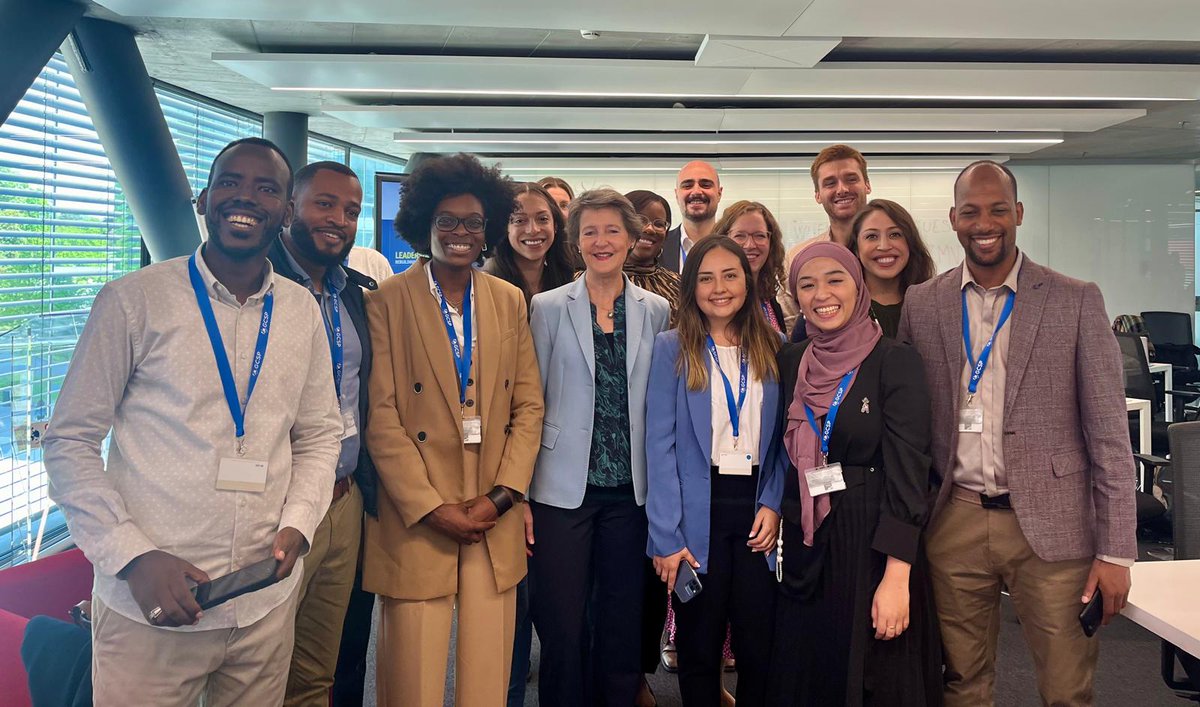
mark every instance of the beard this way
{"type": "Point", "coordinates": [302, 238]}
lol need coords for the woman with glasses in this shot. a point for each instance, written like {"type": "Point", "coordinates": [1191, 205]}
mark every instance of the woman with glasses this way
{"type": "Point", "coordinates": [593, 338]}
{"type": "Point", "coordinates": [560, 191]}
{"type": "Point", "coordinates": [536, 256]}
{"type": "Point", "coordinates": [642, 265]}
{"type": "Point", "coordinates": [886, 241]}
{"type": "Point", "coordinates": [751, 226]}
{"type": "Point", "coordinates": [454, 427]}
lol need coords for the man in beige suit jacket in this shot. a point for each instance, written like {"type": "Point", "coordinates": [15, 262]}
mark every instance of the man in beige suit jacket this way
{"type": "Point", "coordinates": [1031, 450]}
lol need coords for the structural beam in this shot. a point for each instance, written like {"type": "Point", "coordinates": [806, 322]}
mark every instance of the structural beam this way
{"type": "Point", "coordinates": [289, 131]}
{"type": "Point", "coordinates": [30, 32]}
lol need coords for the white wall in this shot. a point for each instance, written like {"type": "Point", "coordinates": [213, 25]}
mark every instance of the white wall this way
{"type": "Point", "coordinates": [1129, 228]}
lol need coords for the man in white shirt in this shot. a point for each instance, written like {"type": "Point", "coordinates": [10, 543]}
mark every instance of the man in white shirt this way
{"type": "Point", "coordinates": [369, 261]}
{"type": "Point", "coordinates": [214, 377]}
{"type": "Point", "coordinates": [698, 193]}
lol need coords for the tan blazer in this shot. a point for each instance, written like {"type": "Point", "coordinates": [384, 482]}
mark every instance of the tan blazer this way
{"type": "Point", "coordinates": [1066, 435]}
{"type": "Point", "coordinates": [415, 436]}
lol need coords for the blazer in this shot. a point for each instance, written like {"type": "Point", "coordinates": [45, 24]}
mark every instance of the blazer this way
{"type": "Point", "coordinates": [679, 453]}
{"type": "Point", "coordinates": [1066, 434]}
{"type": "Point", "coordinates": [356, 309]}
{"type": "Point", "coordinates": [670, 254]}
{"type": "Point", "coordinates": [562, 336]}
{"type": "Point", "coordinates": [414, 431]}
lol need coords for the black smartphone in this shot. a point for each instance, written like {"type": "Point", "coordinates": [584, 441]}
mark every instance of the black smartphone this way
{"type": "Point", "coordinates": [1092, 614]}
{"type": "Point", "coordinates": [248, 579]}
{"type": "Point", "coordinates": [687, 584]}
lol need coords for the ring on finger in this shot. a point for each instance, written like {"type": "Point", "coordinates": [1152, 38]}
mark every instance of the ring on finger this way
{"type": "Point", "coordinates": [155, 614]}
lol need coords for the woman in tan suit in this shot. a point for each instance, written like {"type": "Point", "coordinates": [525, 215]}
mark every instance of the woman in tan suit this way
{"type": "Point", "coordinates": [454, 429]}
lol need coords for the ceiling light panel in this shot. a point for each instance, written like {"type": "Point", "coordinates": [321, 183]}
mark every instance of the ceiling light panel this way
{"type": "Point", "coordinates": [530, 77]}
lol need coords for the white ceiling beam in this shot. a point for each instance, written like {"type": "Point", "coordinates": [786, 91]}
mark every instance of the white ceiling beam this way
{"type": "Point", "coordinates": [731, 119]}
{"type": "Point", "coordinates": [600, 78]}
{"type": "Point", "coordinates": [759, 52]}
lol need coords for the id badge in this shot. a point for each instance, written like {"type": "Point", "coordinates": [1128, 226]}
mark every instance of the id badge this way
{"type": "Point", "coordinates": [236, 474]}
{"type": "Point", "coordinates": [825, 479]}
{"type": "Point", "coordinates": [735, 464]}
{"type": "Point", "coordinates": [349, 424]}
{"type": "Point", "coordinates": [472, 429]}
{"type": "Point", "coordinates": [970, 419]}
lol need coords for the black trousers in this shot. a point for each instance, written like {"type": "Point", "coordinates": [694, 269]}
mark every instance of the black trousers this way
{"type": "Point", "coordinates": [588, 565]}
{"type": "Point", "coordinates": [739, 590]}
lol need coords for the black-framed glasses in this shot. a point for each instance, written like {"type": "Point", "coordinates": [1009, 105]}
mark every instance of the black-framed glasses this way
{"type": "Point", "coordinates": [658, 224]}
{"type": "Point", "coordinates": [448, 222]}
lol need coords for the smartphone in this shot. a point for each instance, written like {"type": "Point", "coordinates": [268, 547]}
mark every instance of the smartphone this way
{"type": "Point", "coordinates": [248, 579]}
{"type": "Point", "coordinates": [687, 584]}
{"type": "Point", "coordinates": [1092, 614]}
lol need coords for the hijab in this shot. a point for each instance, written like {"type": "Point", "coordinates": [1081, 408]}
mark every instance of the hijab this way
{"type": "Point", "coordinates": [829, 357]}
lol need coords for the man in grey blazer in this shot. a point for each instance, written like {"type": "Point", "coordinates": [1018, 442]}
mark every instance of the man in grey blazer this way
{"type": "Point", "coordinates": [1031, 450]}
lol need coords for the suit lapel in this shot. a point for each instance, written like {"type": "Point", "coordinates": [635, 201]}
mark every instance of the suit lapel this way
{"type": "Point", "coordinates": [700, 410]}
{"type": "Point", "coordinates": [950, 312]}
{"type": "Point", "coordinates": [432, 332]}
{"type": "Point", "coordinates": [770, 409]}
{"type": "Point", "coordinates": [1026, 317]}
{"type": "Point", "coordinates": [635, 320]}
{"type": "Point", "coordinates": [579, 308]}
{"type": "Point", "coordinates": [487, 360]}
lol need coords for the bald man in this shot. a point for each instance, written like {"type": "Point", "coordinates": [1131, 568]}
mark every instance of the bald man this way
{"type": "Point", "coordinates": [698, 193]}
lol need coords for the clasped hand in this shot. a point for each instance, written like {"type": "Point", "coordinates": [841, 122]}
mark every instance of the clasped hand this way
{"type": "Point", "coordinates": [464, 523]}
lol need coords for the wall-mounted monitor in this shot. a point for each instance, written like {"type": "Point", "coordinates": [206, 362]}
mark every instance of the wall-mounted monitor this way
{"type": "Point", "coordinates": [389, 190]}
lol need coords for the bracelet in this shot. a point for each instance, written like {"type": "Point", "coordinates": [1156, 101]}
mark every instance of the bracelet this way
{"type": "Point", "coordinates": [501, 497]}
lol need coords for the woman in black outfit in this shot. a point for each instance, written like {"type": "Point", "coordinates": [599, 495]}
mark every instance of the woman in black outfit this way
{"type": "Point", "coordinates": [855, 621]}
{"type": "Point", "coordinates": [893, 256]}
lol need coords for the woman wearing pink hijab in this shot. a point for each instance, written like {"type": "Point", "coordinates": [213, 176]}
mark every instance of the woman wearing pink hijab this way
{"type": "Point", "coordinates": [855, 622]}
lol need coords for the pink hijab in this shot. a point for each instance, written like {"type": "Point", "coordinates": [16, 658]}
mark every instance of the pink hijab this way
{"type": "Point", "coordinates": [828, 358]}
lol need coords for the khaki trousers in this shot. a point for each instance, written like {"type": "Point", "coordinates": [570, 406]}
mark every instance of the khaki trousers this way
{"type": "Point", "coordinates": [136, 664]}
{"type": "Point", "coordinates": [324, 593]}
{"type": "Point", "coordinates": [972, 552]}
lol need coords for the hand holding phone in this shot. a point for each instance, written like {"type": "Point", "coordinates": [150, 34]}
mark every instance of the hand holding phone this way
{"type": "Point", "coordinates": [1092, 614]}
{"type": "Point", "coordinates": [687, 584]}
{"type": "Point", "coordinates": [252, 578]}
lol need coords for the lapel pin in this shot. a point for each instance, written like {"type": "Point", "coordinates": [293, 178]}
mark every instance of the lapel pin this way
{"type": "Point", "coordinates": [866, 407]}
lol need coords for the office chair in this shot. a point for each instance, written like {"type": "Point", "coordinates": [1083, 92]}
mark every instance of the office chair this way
{"type": "Point", "coordinates": [1171, 334]}
{"type": "Point", "coordinates": [1140, 384]}
{"type": "Point", "coordinates": [1185, 510]}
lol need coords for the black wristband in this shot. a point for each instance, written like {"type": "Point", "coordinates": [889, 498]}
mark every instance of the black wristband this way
{"type": "Point", "coordinates": [502, 498]}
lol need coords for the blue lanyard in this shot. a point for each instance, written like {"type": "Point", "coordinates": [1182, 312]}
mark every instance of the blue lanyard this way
{"type": "Point", "coordinates": [218, 346]}
{"type": "Point", "coordinates": [735, 408]}
{"type": "Point", "coordinates": [462, 354]}
{"type": "Point", "coordinates": [978, 366]}
{"type": "Point", "coordinates": [826, 432]}
{"type": "Point", "coordinates": [337, 342]}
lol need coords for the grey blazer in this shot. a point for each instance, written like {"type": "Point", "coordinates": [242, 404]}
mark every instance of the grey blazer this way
{"type": "Point", "coordinates": [1066, 434]}
{"type": "Point", "coordinates": [561, 320]}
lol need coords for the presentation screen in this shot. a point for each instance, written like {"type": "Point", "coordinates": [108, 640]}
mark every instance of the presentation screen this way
{"type": "Point", "coordinates": [389, 189]}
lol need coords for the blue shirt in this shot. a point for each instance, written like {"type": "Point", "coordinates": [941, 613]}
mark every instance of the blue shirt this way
{"type": "Point", "coordinates": [352, 352]}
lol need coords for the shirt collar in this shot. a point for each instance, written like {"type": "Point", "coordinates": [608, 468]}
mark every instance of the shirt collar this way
{"type": "Point", "coordinates": [335, 275]}
{"type": "Point", "coordinates": [213, 285]}
{"type": "Point", "coordinates": [1010, 282]}
{"type": "Point", "coordinates": [433, 290]}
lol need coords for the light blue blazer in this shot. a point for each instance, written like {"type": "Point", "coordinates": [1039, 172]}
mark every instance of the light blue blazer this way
{"type": "Point", "coordinates": [561, 320]}
{"type": "Point", "coordinates": [679, 455]}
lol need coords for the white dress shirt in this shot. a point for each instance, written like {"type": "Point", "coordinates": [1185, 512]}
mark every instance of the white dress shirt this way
{"type": "Point", "coordinates": [370, 262]}
{"type": "Point", "coordinates": [748, 421]}
{"type": "Point", "coordinates": [144, 369]}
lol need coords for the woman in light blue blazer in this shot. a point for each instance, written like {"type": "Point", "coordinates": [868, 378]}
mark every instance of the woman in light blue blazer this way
{"type": "Point", "coordinates": [593, 339]}
{"type": "Point", "coordinates": [714, 450]}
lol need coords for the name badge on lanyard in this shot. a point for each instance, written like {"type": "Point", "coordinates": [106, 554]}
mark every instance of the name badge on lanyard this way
{"type": "Point", "coordinates": [235, 473]}
{"type": "Point", "coordinates": [337, 352]}
{"type": "Point", "coordinates": [472, 427]}
{"type": "Point", "coordinates": [827, 477]}
{"type": "Point", "coordinates": [970, 418]}
{"type": "Point", "coordinates": [733, 462]}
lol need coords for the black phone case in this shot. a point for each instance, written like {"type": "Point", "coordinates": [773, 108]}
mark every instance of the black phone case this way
{"type": "Point", "coordinates": [688, 581]}
{"type": "Point", "coordinates": [1092, 614]}
{"type": "Point", "coordinates": [251, 578]}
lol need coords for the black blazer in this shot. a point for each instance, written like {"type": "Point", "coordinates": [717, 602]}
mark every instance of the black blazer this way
{"type": "Point", "coordinates": [670, 255]}
{"type": "Point", "coordinates": [883, 427]}
{"type": "Point", "coordinates": [364, 473]}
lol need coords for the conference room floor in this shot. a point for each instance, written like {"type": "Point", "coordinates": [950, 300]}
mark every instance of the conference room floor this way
{"type": "Point", "coordinates": [1128, 673]}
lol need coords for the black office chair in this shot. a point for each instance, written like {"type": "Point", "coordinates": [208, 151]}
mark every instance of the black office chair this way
{"type": "Point", "coordinates": [1171, 333]}
{"type": "Point", "coordinates": [1185, 520]}
{"type": "Point", "coordinates": [1139, 383]}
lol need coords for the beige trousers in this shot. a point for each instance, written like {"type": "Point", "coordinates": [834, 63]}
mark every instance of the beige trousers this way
{"type": "Point", "coordinates": [324, 593]}
{"type": "Point", "coordinates": [973, 551]}
{"type": "Point", "coordinates": [136, 664]}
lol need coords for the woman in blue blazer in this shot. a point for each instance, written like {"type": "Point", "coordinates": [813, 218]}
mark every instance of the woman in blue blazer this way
{"type": "Point", "coordinates": [713, 447]}
{"type": "Point", "coordinates": [593, 339]}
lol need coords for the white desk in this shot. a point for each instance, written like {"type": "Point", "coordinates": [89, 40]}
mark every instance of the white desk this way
{"type": "Point", "coordinates": [1143, 410]}
{"type": "Point", "coordinates": [1164, 601]}
{"type": "Point", "coordinates": [1168, 384]}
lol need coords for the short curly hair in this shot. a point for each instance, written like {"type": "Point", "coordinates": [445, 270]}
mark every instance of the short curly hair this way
{"type": "Point", "coordinates": [444, 177]}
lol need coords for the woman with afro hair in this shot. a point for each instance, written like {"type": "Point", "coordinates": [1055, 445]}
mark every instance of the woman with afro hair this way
{"type": "Point", "coordinates": [454, 428]}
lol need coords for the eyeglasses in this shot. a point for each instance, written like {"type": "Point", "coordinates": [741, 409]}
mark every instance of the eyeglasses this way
{"type": "Point", "coordinates": [448, 222]}
{"type": "Point", "coordinates": [760, 237]}
{"type": "Point", "coordinates": [658, 224]}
